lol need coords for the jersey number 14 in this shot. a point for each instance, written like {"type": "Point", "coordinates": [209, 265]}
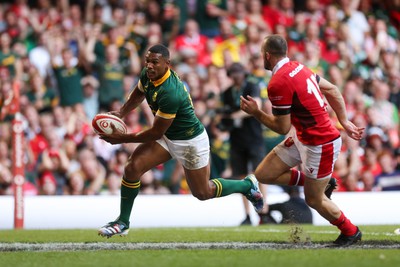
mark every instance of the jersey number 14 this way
{"type": "Point", "coordinates": [313, 88]}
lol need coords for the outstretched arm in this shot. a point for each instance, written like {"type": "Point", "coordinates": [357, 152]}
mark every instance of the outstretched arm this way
{"type": "Point", "coordinates": [135, 98]}
{"type": "Point", "coordinates": [155, 132]}
{"type": "Point", "coordinates": [280, 124]}
{"type": "Point", "coordinates": [336, 101]}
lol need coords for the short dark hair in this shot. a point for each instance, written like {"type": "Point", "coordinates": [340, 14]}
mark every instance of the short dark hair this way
{"type": "Point", "coordinates": [235, 67]}
{"type": "Point", "coordinates": [275, 44]}
{"type": "Point", "coordinates": [160, 49]}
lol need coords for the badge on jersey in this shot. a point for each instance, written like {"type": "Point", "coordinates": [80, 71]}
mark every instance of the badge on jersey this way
{"type": "Point", "coordinates": [289, 142]}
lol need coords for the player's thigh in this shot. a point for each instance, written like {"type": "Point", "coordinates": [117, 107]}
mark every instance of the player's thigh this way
{"type": "Point", "coordinates": [145, 157]}
{"type": "Point", "coordinates": [284, 156]}
{"type": "Point", "coordinates": [318, 161]}
{"type": "Point", "coordinates": [270, 168]}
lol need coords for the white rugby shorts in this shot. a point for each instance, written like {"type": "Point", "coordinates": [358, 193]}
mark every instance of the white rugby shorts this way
{"type": "Point", "coordinates": [193, 154]}
{"type": "Point", "coordinates": [316, 161]}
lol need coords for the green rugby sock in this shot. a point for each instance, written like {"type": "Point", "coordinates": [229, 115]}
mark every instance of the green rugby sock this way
{"type": "Point", "coordinates": [226, 187]}
{"type": "Point", "coordinates": [129, 191]}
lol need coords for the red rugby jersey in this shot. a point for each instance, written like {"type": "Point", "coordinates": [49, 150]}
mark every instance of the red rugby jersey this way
{"type": "Point", "coordinates": [294, 89]}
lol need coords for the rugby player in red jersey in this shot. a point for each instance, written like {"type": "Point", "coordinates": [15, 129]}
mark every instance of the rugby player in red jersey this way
{"type": "Point", "coordinates": [313, 143]}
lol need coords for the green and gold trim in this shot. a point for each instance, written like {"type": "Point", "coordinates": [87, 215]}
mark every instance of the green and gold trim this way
{"type": "Point", "coordinates": [218, 191]}
{"type": "Point", "coordinates": [162, 79]}
{"type": "Point", "coordinates": [130, 185]}
{"type": "Point", "coordinates": [165, 115]}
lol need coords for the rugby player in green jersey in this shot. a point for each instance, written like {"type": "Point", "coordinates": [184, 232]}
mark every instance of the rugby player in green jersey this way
{"type": "Point", "coordinates": [176, 133]}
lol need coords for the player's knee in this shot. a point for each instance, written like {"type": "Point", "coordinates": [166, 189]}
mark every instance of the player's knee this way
{"type": "Point", "coordinates": [133, 170]}
{"type": "Point", "coordinates": [201, 195]}
{"type": "Point", "coordinates": [313, 202]}
{"type": "Point", "coordinates": [263, 177]}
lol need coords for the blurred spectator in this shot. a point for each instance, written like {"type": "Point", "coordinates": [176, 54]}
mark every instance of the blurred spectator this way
{"type": "Point", "coordinates": [167, 14]}
{"type": "Point", "coordinates": [111, 59]}
{"type": "Point", "coordinates": [239, 17]}
{"type": "Point", "coordinates": [115, 169]}
{"type": "Point", "coordinates": [112, 184]}
{"type": "Point", "coordinates": [8, 58]}
{"type": "Point", "coordinates": [253, 39]}
{"type": "Point", "coordinates": [227, 46]}
{"type": "Point", "coordinates": [313, 35]}
{"type": "Point", "coordinates": [192, 40]}
{"type": "Point", "coordinates": [314, 12]}
{"type": "Point", "coordinates": [220, 151]}
{"type": "Point", "coordinates": [245, 132]}
{"type": "Point", "coordinates": [208, 15]}
{"type": "Point", "coordinates": [6, 178]}
{"type": "Point", "coordinates": [53, 165]}
{"type": "Point", "coordinates": [5, 154]}
{"type": "Point", "coordinates": [117, 163]}
{"type": "Point", "coordinates": [68, 76]}
{"type": "Point", "coordinates": [352, 165]}
{"type": "Point", "coordinates": [154, 34]}
{"type": "Point", "coordinates": [255, 15]}
{"type": "Point", "coordinates": [90, 96]}
{"type": "Point", "coordinates": [39, 94]}
{"type": "Point", "coordinates": [194, 82]}
{"type": "Point", "coordinates": [370, 169]}
{"type": "Point", "coordinates": [5, 169]}
{"type": "Point", "coordinates": [90, 177]}
{"type": "Point", "coordinates": [378, 42]}
{"type": "Point", "coordinates": [61, 116]}
{"type": "Point", "coordinates": [313, 59]}
{"type": "Point", "coordinates": [103, 150]}
{"type": "Point", "coordinates": [383, 113]}
{"type": "Point", "coordinates": [278, 12]}
{"type": "Point", "coordinates": [39, 56]}
{"type": "Point", "coordinates": [389, 180]}
{"type": "Point", "coordinates": [355, 20]}
{"type": "Point", "coordinates": [352, 93]}
{"type": "Point", "coordinates": [336, 77]}
{"type": "Point", "coordinates": [78, 127]}
{"type": "Point", "coordinates": [6, 98]}
{"type": "Point", "coordinates": [397, 158]}
{"type": "Point", "coordinates": [188, 65]}
{"type": "Point", "coordinates": [370, 162]}
{"type": "Point", "coordinates": [39, 139]}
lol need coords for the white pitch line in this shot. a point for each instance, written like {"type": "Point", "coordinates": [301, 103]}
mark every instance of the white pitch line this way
{"type": "Point", "coordinates": [334, 232]}
{"type": "Point", "coordinates": [15, 247]}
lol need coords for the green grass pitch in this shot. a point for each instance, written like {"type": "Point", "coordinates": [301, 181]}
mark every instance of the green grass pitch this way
{"type": "Point", "coordinates": [267, 245]}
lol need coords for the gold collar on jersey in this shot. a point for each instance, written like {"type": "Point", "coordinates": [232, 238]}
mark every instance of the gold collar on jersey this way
{"type": "Point", "coordinates": [162, 79]}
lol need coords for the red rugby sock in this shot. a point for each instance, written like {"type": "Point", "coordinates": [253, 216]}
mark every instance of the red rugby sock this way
{"type": "Point", "coordinates": [344, 225]}
{"type": "Point", "coordinates": [297, 178]}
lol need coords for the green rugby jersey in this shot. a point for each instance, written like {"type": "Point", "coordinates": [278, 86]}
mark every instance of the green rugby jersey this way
{"type": "Point", "coordinates": [168, 98]}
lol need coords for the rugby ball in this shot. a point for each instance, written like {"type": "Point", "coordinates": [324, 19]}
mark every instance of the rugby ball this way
{"type": "Point", "coordinates": [101, 123]}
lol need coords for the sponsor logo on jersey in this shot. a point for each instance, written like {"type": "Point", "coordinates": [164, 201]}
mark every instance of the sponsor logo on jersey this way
{"type": "Point", "coordinates": [296, 70]}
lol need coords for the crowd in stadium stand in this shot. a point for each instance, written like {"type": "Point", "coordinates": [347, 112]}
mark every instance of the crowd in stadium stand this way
{"type": "Point", "coordinates": [75, 59]}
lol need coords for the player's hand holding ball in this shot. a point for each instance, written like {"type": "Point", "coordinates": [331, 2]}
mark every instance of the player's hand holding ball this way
{"type": "Point", "coordinates": [110, 128]}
